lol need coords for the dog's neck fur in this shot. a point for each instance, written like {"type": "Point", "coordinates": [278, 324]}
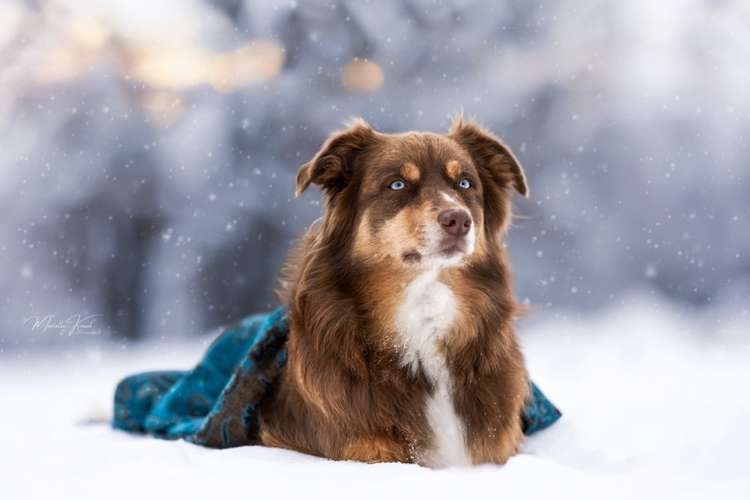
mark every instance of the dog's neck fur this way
{"type": "Point", "coordinates": [423, 320]}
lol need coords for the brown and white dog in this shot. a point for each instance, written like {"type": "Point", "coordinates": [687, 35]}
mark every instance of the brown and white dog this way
{"type": "Point", "coordinates": [401, 342]}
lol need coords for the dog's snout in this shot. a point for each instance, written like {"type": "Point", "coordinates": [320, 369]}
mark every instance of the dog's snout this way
{"type": "Point", "coordinates": [455, 221]}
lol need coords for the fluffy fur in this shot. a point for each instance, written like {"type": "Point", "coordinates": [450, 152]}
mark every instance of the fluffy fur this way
{"type": "Point", "coordinates": [401, 343]}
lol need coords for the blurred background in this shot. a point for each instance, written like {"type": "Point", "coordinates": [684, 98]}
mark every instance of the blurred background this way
{"type": "Point", "coordinates": [148, 149]}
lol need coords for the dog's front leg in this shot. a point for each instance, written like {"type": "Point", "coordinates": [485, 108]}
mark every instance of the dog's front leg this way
{"type": "Point", "coordinates": [376, 448]}
{"type": "Point", "coordinates": [498, 446]}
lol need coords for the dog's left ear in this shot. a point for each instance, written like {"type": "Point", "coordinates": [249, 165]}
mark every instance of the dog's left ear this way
{"type": "Point", "coordinates": [331, 168]}
{"type": "Point", "coordinates": [490, 154]}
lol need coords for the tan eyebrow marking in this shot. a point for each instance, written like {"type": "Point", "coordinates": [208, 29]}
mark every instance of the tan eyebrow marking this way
{"type": "Point", "coordinates": [410, 172]}
{"type": "Point", "coordinates": [453, 169]}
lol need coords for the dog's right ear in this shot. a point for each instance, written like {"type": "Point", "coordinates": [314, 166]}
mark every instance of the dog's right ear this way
{"type": "Point", "coordinates": [331, 168]}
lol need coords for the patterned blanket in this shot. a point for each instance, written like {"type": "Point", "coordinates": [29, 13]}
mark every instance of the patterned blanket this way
{"type": "Point", "coordinates": [215, 404]}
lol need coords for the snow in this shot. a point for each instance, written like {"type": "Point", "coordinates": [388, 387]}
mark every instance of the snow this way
{"type": "Point", "coordinates": [654, 398]}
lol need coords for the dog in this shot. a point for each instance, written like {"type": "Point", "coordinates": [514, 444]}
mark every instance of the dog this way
{"type": "Point", "coordinates": [401, 339]}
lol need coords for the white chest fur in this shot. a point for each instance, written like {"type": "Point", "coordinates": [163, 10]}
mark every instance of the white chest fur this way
{"type": "Point", "coordinates": [425, 316]}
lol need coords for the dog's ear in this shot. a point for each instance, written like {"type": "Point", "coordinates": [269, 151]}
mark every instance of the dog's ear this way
{"type": "Point", "coordinates": [490, 155]}
{"type": "Point", "coordinates": [331, 168]}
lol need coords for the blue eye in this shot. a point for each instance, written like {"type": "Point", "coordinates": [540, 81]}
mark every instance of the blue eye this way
{"type": "Point", "coordinates": [464, 183]}
{"type": "Point", "coordinates": [397, 185]}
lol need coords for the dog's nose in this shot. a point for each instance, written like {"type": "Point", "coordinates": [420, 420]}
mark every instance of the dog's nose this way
{"type": "Point", "coordinates": [455, 221]}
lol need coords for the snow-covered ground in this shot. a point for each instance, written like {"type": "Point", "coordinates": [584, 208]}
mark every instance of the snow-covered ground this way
{"type": "Point", "coordinates": [655, 402]}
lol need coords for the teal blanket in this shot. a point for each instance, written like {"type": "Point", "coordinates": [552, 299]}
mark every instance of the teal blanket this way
{"type": "Point", "coordinates": [215, 404]}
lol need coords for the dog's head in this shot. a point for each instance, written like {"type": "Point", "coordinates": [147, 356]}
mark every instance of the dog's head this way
{"type": "Point", "coordinates": [420, 199]}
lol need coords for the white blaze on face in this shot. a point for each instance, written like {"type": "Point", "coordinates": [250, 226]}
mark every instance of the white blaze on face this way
{"type": "Point", "coordinates": [423, 319]}
{"type": "Point", "coordinates": [450, 199]}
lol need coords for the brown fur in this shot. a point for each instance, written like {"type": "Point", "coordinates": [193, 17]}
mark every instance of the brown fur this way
{"type": "Point", "coordinates": [345, 393]}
